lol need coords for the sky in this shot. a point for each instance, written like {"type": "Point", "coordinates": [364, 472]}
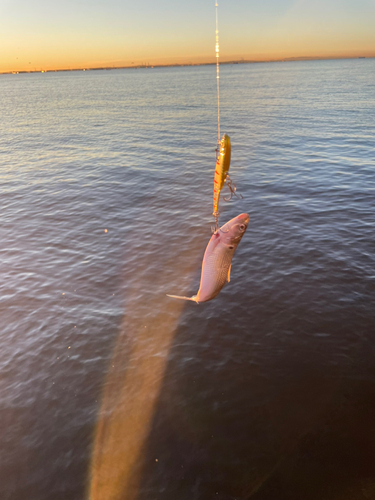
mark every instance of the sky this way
{"type": "Point", "coordinates": [45, 35]}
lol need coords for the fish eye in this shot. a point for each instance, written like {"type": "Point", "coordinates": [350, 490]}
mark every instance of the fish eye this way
{"type": "Point", "coordinates": [242, 227]}
{"type": "Point", "coordinates": [231, 248]}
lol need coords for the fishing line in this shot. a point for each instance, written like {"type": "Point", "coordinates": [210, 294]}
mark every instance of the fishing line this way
{"type": "Point", "coordinates": [223, 149]}
{"type": "Point", "coordinates": [217, 76]}
{"type": "Point", "coordinates": [216, 213]}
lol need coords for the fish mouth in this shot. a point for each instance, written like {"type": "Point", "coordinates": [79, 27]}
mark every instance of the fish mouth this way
{"type": "Point", "coordinates": [243, 219]}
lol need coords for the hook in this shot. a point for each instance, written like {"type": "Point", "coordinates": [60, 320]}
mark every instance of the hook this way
{"type": "Point", "coordinates": [216, 216]}
{"type": "Point", "coordinates": [232, 189]}
{"type": "Point", "coordinates": [217, 228]}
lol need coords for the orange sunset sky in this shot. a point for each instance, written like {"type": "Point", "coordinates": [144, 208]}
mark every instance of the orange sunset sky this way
{"type": "Point", "coordinates": [43, 35]}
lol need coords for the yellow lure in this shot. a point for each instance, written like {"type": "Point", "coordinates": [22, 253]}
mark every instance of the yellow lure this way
{"type": "Point", "coordinates": [221, 171]}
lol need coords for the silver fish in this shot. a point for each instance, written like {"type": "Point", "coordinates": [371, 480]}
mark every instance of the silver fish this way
{"type": "Point", "coordinates": [217, 259]}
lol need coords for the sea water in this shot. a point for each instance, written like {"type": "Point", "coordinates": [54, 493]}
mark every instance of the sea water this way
{"type": "Point", "coordinates": [108, 388]}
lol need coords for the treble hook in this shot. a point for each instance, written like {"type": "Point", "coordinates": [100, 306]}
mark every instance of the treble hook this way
{"type": "Point", "coordinates": [232, 188]}
{"type": "Point", "coordinates": [215, 229]}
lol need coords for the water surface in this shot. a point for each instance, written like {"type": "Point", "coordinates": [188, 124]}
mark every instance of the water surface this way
{"type": "Point", "coordinates": [108, 388]}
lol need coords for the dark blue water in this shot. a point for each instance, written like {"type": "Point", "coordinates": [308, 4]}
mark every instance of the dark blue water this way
{"type": "Point", "coordinates": [111, 390]}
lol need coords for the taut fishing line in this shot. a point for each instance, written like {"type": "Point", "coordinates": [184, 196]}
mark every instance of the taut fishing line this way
{"type": "Point", "coordinates": [217, 76]}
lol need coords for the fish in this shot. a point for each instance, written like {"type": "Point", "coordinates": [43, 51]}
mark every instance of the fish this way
{"type": "Point", "coordinates": [221, 171]}
{"type": "Point", "coordinates": [217, 259]}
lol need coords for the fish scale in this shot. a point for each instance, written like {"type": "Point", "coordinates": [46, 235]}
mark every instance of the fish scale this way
{"type": "Point", "coordinates": [216, 268]}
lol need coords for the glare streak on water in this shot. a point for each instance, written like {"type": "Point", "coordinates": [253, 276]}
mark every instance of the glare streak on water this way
{"type": "Point", "coordinates": [106, 206]}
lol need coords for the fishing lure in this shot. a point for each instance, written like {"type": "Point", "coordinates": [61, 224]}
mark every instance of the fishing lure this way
{"type": "Point", "coordinates": [222, 176]}
{"type": "Point", "coordinates": [221, 171]}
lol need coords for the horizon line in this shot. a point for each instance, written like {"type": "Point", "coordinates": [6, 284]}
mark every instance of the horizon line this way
{"type": "Point", "coordinates": [173, 65]}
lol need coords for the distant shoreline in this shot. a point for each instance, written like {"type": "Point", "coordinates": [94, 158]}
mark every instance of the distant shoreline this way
{"type": "Point", "coordinates": [149, 66]}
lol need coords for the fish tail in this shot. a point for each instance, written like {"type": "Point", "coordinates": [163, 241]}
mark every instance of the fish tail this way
{"type": "Point", "coordinates": [193, 298]}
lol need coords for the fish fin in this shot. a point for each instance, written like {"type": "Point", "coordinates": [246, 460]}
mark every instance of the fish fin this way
{"type": "Point", "coordinates": [193, 298]}
{"type": "Point", "coordinates": [228, 277]}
